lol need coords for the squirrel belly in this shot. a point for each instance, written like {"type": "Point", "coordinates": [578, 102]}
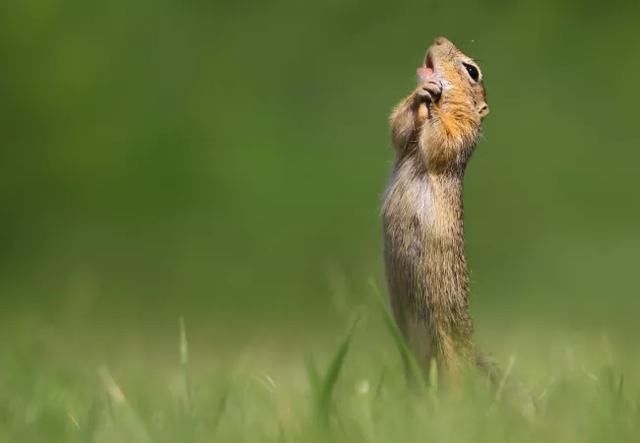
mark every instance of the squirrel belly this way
{"type": "Point", "coordinates": [426, 267]}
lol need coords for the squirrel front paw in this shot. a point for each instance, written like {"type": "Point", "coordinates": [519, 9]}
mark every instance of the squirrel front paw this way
{"type": "Point", "coordinates": [430, 91]}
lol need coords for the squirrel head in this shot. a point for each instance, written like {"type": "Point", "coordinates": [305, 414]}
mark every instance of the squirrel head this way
{"type": "Point", "coordinates": [453, 104]}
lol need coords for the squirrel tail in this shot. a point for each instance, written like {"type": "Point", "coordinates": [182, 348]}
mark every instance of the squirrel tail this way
{"type": "Point", "coordinates": [489, 367]}
{"type": "Point", "coordinates": [513, 390]}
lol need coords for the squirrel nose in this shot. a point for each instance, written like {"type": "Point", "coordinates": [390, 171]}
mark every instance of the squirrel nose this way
{"type": "Point", "coordinates": [440, 41]}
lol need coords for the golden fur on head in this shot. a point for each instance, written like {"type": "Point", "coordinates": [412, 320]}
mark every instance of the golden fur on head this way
{"type": "Point", "coordinates": [448, 105]}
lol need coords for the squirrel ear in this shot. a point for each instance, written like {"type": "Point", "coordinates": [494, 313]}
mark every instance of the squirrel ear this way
{"type": "Point", "coordinates": [483, 109]}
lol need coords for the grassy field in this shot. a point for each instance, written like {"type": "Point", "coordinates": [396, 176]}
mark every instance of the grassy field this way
{"type": "Point", "coordinates": [223, 161]}
{"type": "Point", "coordinates": [347, 385]}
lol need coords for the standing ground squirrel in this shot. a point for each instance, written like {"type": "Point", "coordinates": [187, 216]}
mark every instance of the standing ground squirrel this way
{"type": "Point", "coordinates": [434, 131]}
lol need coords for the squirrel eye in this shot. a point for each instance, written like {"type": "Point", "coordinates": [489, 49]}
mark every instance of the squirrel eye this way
{"type": "Point", "coordinates": [473, 71]}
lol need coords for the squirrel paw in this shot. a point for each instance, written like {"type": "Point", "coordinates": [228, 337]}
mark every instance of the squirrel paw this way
{"type": "Point", "coordinates": [430, 91]}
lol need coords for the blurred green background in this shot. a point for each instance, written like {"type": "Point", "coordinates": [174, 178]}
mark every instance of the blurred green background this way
{"type": "Point", "coordinates": [225, 160]}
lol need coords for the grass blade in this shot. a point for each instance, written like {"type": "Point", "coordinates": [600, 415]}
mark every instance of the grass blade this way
{"type": "Point", "coordinates": [415, 374]}
{"type": "Point", "coordinates": [220, 410]}
{"type": "Point", "coordinates": [328, 383]}
{"type": "Point", "coordinates": [184, 364]}
{"type": "Point", "coordinates": [125, 425]}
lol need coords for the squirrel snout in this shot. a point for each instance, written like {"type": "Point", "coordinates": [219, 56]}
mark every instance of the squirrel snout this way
{"type": "Point", "coordinates": [441, 41]}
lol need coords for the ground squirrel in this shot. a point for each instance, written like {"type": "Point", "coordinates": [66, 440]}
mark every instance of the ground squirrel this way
{"type": "Point", "coordinates": [434, 131]}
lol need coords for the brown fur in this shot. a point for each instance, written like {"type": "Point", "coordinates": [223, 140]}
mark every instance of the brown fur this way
{"type": "Point", "coordinates": [434, 131]}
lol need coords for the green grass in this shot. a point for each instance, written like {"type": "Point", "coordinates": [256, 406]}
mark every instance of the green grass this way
{"type": "Point", "coordinates": [332, 386]}
{"type": "Point", "coordinates": [224, 161]}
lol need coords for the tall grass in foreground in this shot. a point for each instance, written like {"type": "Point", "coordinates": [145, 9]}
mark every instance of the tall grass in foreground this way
{"type": "Point", "coordinates": [354, 391]}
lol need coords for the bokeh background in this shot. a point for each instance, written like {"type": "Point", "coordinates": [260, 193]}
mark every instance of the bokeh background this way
{"type": "Point", "coordinates": [224, 161]}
